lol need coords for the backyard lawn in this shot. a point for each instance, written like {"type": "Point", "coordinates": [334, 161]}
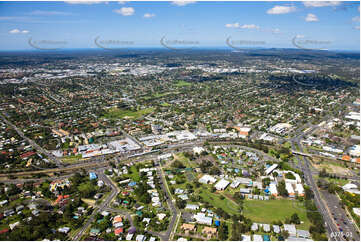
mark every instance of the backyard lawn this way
{"type": "Point", "coordinates": [274, 210]}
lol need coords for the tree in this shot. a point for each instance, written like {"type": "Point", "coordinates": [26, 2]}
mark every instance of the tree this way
{"type": "Point", "coordinates": [178, 164]}
{"type": "Point", "coordinates": [266, 182]}
{"type": "Point", "coordinates": [282, 189]}
{"type": "Point", "coordinates": [223, 232]}
{"type": "Point", "coordinates": [181, 203]}
{"type": "Point", "coordinates": [285, 234]}
{"type": "Point", "coordinates": [295, 219]}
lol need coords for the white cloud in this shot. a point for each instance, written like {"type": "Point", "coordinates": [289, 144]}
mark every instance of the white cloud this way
{"type": "Point", "coordinates": [122, 2]}
{"type": "Point", "coordinates": [281, 9]}
{"type": "Point", "coordinates": [311, 18]}
{"type": "Point", "coordinates": [357, 27]}
{"type": "Point", "coordinates": [321, 4]}
{"type": "Point", "coordinates": [17, 31]}
{"type": "Point", "coordinates": [234, 25]}
{"type": "Point", "coordinates": [125, 11]}
{"type": "Point", "coordinates": [14, 31]}
{"type": "Point", "coordinates": [149, 15]}
{"type": "Point", "coordinates": [356, 19]}
{"type": "Point", "coordinates": [182, 3]}
{"type": "Point", "coordinates": [49, 13]}
{"type": "Point", "coordinates": [249, 26]}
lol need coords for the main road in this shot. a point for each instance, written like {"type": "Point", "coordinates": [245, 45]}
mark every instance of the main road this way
{"type": "Point", "coordinates": [304, 165]}
{"type": "Point", "coordinates": [103, 206]}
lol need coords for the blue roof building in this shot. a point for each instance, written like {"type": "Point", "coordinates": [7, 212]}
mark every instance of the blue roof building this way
{"type": "Point", "coordinates": [92, 176]}
{"type": "Point", "coordinates": [217, 222]}
{"type": "Point", "coordinates": [266, 237]}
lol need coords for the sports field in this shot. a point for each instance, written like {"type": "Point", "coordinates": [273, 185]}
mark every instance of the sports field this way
{"type": "Point", "coordinates": [274, 210]}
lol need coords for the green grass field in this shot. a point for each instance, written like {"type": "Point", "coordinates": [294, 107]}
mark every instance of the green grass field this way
{"type": "Point", "coordinates": [135, 176]}
{"type": "Point", "coordinates": [188, 163]}
{"type": "Point", "coordinates": [214, 199]}
{"type": "Point", "coordinates": [116, 113]}
{"type": "Point", "coordinates": [183, 84]}
{"type": "Point", "coordinates": [274, 210]}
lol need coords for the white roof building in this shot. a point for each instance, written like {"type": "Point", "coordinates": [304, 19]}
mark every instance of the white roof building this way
{"type": "Point", "coordinates": [271, 168]}
{"type": "Point", "coordinates": [244, 190]}
{"type": "Point", "coordinates": [276, 229]}
{"type": "Point", "coordinates": [266, 228]}
{"type": "Point", "coordinates": [140, 237]}
{"type": "Point", "coordinates": [291, 229]}
{"type": "Point", "coordinates": [129, 236]}
{"type": "Point", "coordinates": [201, 218]}
{"type": "Point", "coordinates": [290, 190]}
{"type": "Point", "coordinates": [64, 230]}
{"type": "Point", "coordinates": [207, 179]}
{"type": "Point", "coordinates": [254, 227]}
{"type": "Point", "coordinates": [192, 206]}
{"type": "Point", "coordinates": [246, 237]}
{"type": "Point", "coordinates": [235, 184]}
{"type": "Point", "coordinates": [222, 184]}
{"type": "Point", "coordinates": [300, 190]}
{"type": "Point", "coordinates": [257, 237]}
{"type": "Point", "coordinates": [273, 189]}
{"type": "Point", "coordinates": [303, 234]}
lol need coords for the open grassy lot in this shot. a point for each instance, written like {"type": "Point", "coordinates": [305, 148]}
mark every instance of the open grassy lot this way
{"type": "Point", "coordinates": [332, 167]}
{"type": "Point", "coordinates": [116, 113]}
{"type": "Point", "coordinates": [134, 174]}
{"type": "Point", "coordinates": [188, 163]}
{"type": "Point", "coordinates": [340, 182]}
{"type": "Point", "coordinates": [183, 84]}
{"type": "Point", "coordinates": [274, 210]}
{"type": "Point", "coordinates": [215, 199]}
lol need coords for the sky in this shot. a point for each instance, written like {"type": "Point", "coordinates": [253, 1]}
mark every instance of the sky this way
{"type": "Point", "coordinates": [179, 24]}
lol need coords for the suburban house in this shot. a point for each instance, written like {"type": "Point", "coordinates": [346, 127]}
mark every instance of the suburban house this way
{"type": "Point", "coordinates": [188, 228]}
{"type": "Point", "coordinates": [209, 231]}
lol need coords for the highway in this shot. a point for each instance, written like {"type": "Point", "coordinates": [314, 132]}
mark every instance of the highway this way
{"type": "Point", "coordinates": [340, 217]}
{"type": "Point", "coordinates": [305, 166]}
